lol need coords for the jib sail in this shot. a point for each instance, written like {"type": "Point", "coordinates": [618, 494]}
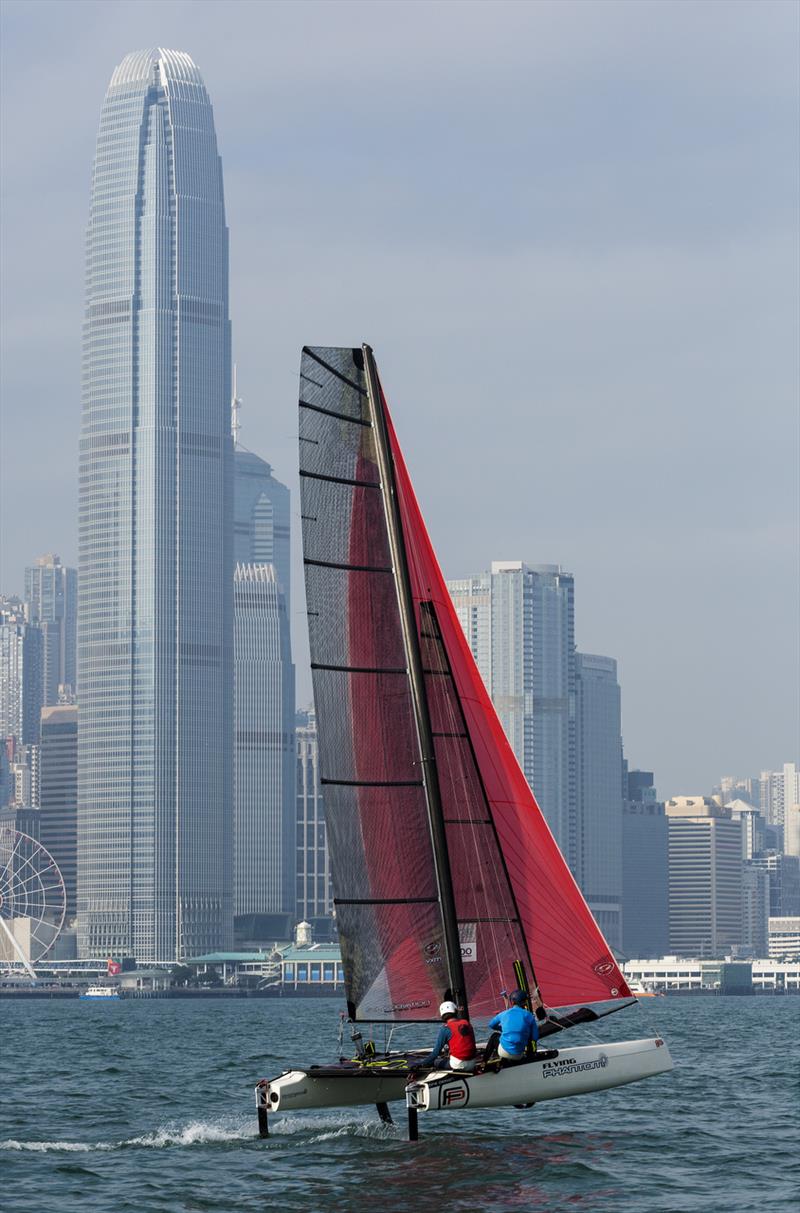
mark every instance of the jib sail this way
{"type": "Point", "coordinates": [445, 872]}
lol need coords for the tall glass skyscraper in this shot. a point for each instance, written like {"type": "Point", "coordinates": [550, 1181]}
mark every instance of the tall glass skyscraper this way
{"type": "Point", "coordinates": [155, 631]}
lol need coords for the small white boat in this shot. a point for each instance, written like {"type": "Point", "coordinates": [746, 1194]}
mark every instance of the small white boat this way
{"type": "Point", "coordinates": [104, 992]}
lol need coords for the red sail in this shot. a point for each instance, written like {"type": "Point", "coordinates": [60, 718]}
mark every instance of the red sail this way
{"type": "Point", "coordinates": [572, 962]}
{"type": "Point", "coordinates": [514, 896]}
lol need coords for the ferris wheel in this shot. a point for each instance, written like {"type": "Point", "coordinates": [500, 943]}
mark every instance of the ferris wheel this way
{"type": "Point", "coordinates": [33, 899]}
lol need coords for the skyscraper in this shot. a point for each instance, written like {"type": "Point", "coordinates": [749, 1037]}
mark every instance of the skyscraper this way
{"type": "Point", "coordinates": [58, 793]}
{"type": "Point", "coordinates": [705, 877]}
{"type": "Point", "coordinates": [645, 887]}
{"type": "Point", "coordinates": [598, 732]}
{"type": "Point", "coordinates": [264, 754]}
{"type": "Point", "coordinates": [519, 621]}
{"type": "Point", "coordinates": [156, 558]}
{"type": "Point", "coordinates": [51, 600]}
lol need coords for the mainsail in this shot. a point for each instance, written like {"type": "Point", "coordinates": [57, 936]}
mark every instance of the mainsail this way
{"type": "Point", "coordinates": [445, 871]}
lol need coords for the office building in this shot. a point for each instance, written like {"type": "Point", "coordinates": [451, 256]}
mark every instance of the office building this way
{"type": "Point", "coordinates": [519, 621]}
{"type": "Point", "coordinates": [784, 938]}
{"type": "Point", "coordinates": [705, 877]}
{"type": "Point", "coordinates": [58, 794]}
{"type": "Point", "coordinates": [51, 600]}
{"type": "Point", "coordinates": [314, 890]}
{"type": "Point", "coordinates": [264, 818]}
{"type": "Point", "coordinates": [755, 909]}
{"type": "Point", "coordinates": [645, 881]}
{"type": "Point", "coordinates": [598, 733]}
{"type": "Point", "coordinates": [784, 882]}
{"type": "Point", "coordinates": [155, 619]}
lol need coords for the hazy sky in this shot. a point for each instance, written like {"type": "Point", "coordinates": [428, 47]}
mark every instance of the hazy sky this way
{"type": "Point", "coordinates": [570, 232]}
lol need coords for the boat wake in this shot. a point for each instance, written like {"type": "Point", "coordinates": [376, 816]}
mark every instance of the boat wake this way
{"type": "Point", "coordinates": [331, 1126]}
{"type": "Point", "coordinates": [197, 1132]}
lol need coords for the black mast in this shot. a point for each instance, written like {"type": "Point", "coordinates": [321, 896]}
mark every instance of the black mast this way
{"type": "Point", "coordinates": [444, 880]}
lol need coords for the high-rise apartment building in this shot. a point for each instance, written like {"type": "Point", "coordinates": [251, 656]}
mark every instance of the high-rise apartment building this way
{"type": "Point", "coordinates": [20, 675]}
{"type": "Point", "coordinates": [264, 753]}
{"type": "Point", "coordinates": [51, 600]}
{"type": "Point", "coordinates": [472, 599]}
{"type": "Point", "coordinates": [705, 877]}
{"type": "Point", "coordinates": [519, 621]}
{"type": "Point", "coordinates": [645, 866]}
{"type": "Point", "coordinates": [735, 787]}
{"type": "Point", "coordinates": [58, 794]}
{"type": "Point", "coordinates": [777, 789]}
{"type": "Point", "coordinates": [314, 889]}
{"type": "Point", "coordinates": [598, 734]}
{"type": "Point", "coordinates": [155, 629]}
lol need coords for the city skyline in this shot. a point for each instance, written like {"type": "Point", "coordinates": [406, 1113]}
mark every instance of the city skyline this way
{"type": "Point", "coordinates": [652, 357]}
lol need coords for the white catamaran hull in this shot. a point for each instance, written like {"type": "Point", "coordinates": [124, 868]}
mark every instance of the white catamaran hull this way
{"type": "Point", "coordinates": [572, 1072]}
{"type": "Point", "coordinates": [302, 1089]}
{"type": "Point", "coordinates": [553, 1075]}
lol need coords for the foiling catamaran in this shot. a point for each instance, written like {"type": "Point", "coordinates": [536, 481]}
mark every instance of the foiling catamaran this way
{"type": "Point", "coordinates": [448, 883]}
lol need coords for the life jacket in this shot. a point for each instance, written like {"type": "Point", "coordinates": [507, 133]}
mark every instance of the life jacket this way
{"type": "Point", "coordinates": [462, 1039]}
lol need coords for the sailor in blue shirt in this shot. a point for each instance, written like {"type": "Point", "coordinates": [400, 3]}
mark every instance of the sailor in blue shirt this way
{"type": "Point", "coordinates": [517, 1027]}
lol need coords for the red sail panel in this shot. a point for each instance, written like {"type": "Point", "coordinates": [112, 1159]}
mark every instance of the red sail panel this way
{"type": "Point", "coordinates": [387, 909]}
{"type": "Point", "coordinates": [572, 962]}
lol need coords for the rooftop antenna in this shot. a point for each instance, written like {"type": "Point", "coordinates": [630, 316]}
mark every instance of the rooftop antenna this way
{"type": "Point", "coordinates": [236, 404]}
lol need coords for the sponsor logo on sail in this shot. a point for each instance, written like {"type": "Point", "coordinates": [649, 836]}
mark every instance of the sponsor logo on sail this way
{"type": "Point", "coordinates": [433, 951]}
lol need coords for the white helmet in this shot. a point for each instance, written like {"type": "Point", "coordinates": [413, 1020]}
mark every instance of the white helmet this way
{"type": "Point", "coordinates": [448, 1008]}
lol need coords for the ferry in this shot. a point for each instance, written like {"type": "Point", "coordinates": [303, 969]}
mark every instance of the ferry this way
{"type": "Point", "coordinates": [101, 992]}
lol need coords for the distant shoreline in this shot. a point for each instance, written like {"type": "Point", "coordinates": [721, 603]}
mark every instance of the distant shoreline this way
{"type": "Point", "coordinates": [317, 992]}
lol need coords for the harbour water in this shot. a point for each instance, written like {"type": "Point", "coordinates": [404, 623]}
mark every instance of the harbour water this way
{"type": "Point", "coordinates": [132, 1106]}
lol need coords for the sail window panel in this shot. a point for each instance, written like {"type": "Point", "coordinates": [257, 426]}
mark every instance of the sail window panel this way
{"type": "Point", "coordinates": [445, 712]}
{"type": "Point", "coordinates": [459, 783]}
{"type": "Point", "coordinates": [353, 620]}
{"type": "Point", "coordinates": [390, 826]}
{"type": "Point", "coordinates": [367, 730]}
{"type": "Point", "coordinates": [479, 883]}
{"type": "Point", "coordinates": [330, 379]}
{"type": "Point", "coordinates": [344, 524]}
{"type": "Point", "coordinates": [331, 445]}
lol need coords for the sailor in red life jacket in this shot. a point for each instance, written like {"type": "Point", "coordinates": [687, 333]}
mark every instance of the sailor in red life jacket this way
{"type": "Point", "coordinates": [458, 1037]}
